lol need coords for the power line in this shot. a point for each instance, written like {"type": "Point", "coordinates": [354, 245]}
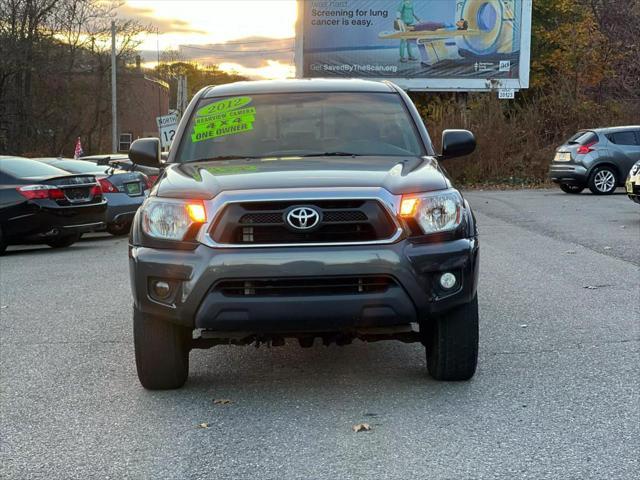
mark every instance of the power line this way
{"type": "Point", "coordinates": [241, 42]}
{"type": "Point", "coordinates": [209, 50]}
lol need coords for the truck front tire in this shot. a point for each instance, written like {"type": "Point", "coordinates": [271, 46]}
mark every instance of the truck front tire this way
{"type": "Point", "coordinates": [451, 343]}
{"type": "Point", "coordinates": [162, 352]}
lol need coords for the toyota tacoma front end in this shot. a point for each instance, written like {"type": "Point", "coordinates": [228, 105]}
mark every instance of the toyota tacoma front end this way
{"type": "Point", "coordinates": [306, 210]}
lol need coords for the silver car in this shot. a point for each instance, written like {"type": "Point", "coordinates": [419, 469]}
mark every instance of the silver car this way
{"type": "Point", "coordinates": [600, 159]}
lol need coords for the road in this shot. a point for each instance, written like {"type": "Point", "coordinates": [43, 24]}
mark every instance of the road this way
{"type": "Point", "coordinates": [556, 394]}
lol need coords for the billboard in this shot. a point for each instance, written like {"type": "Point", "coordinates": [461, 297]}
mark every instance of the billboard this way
{"type": "Point", "coordinates": [444, 45]}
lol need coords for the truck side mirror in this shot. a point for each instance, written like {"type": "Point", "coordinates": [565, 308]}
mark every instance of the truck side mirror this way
{"type": "Point", "coordinates": [145, 151]}
{"type": "Point", "coordinates": [457, 143]}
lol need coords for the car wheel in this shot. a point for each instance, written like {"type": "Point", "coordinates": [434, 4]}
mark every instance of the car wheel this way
{"type": "Point", "coordinates": [162, 352]}
{"type": "Point", "coordinates": [117, 229]}
{"type": "Point", "coordinates": [63, 242]}
{"type": "Point", "coordinates": [566, 188]}
{"type": "Point", "coordinates": [452, 343]}
{"type": "Point", "coordinates": [603, 181]}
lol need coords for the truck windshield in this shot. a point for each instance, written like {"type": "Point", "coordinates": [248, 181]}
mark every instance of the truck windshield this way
{"type": "Point", "coordinates": [299, 124]}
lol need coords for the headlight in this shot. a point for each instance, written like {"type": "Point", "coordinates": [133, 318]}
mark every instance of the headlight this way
{"type": "Point", "coordinates": [171, 219]}
{"type": "Point", "coordinates": [635, 169]}
{"type": "Point", "coordinates": [434, 212]}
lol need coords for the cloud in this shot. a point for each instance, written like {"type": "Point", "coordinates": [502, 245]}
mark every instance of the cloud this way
{"type": "Point", "coordinates": [250, 55]}
{"type": "Point", "coordinates": [269, 69]}
{"type": "Point", "coordinates": [164, 25]}
{"type": "Point", "coordinates": [251, 52]}
{"type": "Point", "coordinates": [199, 36]}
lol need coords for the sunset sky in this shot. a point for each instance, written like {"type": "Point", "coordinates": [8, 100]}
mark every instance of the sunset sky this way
{"type": "Point", "coordinates": [252, 37]}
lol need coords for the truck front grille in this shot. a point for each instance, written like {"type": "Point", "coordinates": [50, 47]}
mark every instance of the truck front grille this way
{"type": "Point", "coordinates": [264, 223]}
{"type": "Point", "coordinates": [304, 286]}
{"type": "Point", "coordinates": [330, 216]}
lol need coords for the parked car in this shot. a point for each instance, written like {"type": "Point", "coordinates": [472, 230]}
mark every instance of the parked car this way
{"type": "Point", "coordinates": [124, 191]}
{"type": "Point", "coordinates": [632, 185]}
{"type": "Point", "coordinates": [123, 162]}
{"type": "Point", "coordinates": [40, 203]}
{"type": "Point", "coordinates": [303, 209]}
{"type": "Point", "coordinates": [599, 159]}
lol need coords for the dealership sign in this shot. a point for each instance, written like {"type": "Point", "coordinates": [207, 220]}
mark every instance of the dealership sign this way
{"type": "Point", "coordinates": [454, 45]}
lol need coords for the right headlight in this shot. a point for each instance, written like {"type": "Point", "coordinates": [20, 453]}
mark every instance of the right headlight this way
{"type": "Point", "coordinates": [171, 219]}
{"type": "Point", "coordinates": [434, 212]}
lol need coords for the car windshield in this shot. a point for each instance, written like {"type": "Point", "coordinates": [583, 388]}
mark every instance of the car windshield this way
{"type": "Point", "coordinates": [27, 168]}
{"type": "Point", "coordinates": [299, 124]}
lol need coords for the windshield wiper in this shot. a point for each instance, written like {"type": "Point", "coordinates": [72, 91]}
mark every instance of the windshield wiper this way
{"type": "Point", "coordinates": [224, 157]}
{"type": "Point", "coordinates": [332, 154]}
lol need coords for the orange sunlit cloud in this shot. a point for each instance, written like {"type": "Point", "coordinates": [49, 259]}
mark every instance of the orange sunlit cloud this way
{"type": "Point", "coordinates": [201, 29]}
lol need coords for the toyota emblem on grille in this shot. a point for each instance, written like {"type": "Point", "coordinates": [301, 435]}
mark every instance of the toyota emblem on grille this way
{"type": "Point", "coordinates": [303, 218]}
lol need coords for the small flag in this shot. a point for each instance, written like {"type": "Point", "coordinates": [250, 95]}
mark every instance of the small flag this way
{"type": "Point", "coordinates": [78, 151]}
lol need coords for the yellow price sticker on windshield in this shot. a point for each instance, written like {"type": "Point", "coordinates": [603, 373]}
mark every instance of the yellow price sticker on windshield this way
{"type": "Point", "coordinates": [221, 132]}
{"type": "Point", "coordinates": [222, 122]}
{"type": "Point", "coordinates": [224, 106]}
{"type": "Point", "coordinates": [223, 118]}
{"type": "Point", "coordinates": [233, 113]}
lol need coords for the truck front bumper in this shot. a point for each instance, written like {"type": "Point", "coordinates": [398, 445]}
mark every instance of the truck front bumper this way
{"type": "Point", "coordinates": [196, 301]}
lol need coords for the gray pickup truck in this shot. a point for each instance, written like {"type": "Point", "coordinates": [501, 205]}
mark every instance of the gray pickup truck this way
{"type": "Point", "coordinates": [303, 209]}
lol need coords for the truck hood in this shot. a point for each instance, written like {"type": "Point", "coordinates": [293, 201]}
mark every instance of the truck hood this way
{"type": "Point", "coordinates": [398, 175]}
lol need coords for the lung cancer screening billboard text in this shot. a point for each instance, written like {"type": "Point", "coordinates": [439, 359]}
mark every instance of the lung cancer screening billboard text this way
{"type": "Point", "coordinates": [442, 45]}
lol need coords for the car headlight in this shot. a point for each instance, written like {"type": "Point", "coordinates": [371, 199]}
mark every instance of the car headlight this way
{"type": "Point", "coordinates": [172, 219]}
{"type": "Point", "coordinates": [434, 212]}
{"type": "Point", "coordinates": [635, 169]}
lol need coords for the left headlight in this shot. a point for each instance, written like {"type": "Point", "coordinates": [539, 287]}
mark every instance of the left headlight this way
{"type": "Point", "coordinates": [172, 219]}
{"type": "Point", "coordinates": [434, 212]}
{"type": "Point", "coordinates": [635, 169]}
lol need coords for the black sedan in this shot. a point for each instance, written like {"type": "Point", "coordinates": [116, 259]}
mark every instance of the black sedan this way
{"type": "Point", "coordinates": [42, 204]}
{"type": "Point", "coordinates": [124, 190]}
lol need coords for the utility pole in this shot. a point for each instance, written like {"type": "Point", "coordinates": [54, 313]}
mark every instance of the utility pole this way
{"type": "Point", "coordinates": [181, 101]}
{"type": "Point", "coordinates": [114, 102]}
{"type": "Point", "coordinates": [160, 112]}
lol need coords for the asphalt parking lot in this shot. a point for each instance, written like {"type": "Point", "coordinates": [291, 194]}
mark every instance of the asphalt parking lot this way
{"type": "Point", "coordinates": [556, 395]}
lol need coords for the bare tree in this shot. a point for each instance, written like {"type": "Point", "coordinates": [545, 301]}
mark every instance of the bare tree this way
{"type": "Point", "coordinates": [22, 33]}
{"type": "Point", "coordinates": [619, 22]}
{"type": "Point", "coordinates": [54, 63]}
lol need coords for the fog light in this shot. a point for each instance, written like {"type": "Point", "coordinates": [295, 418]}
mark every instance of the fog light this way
{"type": "Point", "coordinates": [448, 281]}
{"type": "Point", "coordinates": [161, 289]}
